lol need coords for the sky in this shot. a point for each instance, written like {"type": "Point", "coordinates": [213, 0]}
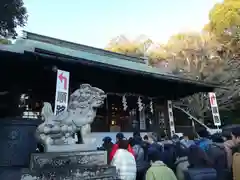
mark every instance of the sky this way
{"type": "Point", "coordinates": [96, 22]}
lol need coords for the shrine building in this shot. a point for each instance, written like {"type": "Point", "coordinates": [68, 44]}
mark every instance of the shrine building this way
{"type": "Point", "coordinates": [138, 96]}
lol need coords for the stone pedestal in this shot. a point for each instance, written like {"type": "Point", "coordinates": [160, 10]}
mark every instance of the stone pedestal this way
{"type": "Point", "coordinates": [84, 165]}
{"type": "Point", "coordinates": [72, 148]}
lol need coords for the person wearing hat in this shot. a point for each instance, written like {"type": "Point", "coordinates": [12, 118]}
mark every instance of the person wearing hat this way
{"type": "Point", "coordinates": [119, 137]}
{"type": "Point", "coordinates": [107, 145]}
{"type": "Point", "coordinates": [141, 159]}
{"type": "Point", "coordinates": [153, 143]}
{"type": "Point", "coordinates": [107, 142]}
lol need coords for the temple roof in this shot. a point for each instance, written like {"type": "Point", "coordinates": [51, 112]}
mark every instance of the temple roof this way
{"type": "Point", "coordinates": [35, 43]}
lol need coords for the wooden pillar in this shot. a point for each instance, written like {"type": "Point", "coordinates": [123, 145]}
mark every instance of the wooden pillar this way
{"type": "Point", "coordinates": [108, 122]}
{"type": "Point", "coordinates": [159, 119]}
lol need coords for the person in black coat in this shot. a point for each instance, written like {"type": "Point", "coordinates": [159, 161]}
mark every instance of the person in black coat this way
{"type": "Point", "coordinates": [107, 146]}
{"type": "Point", "coordinates": [197, 158]}
{"type": "Point", "coordinates": [141, 161]}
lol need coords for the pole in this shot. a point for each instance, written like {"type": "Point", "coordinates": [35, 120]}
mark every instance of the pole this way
{"type": "Point", "coordinates": [192, 117]}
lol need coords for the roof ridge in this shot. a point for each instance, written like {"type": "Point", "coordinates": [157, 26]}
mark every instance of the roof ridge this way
{"type": "Point", "coordinates": [76, 46]}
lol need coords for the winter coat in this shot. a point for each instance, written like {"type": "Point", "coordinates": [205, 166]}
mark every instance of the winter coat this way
{"type": "Point", "coordinates": [169, 155]}
{"type": "Point", "coordinates": [115, 148]}
{"type": "Point", "coordinates": [125, 164]}
{"type": "Point", "coordinates": [187, 143]}
{"type": "Point", "coordinates": [229, 145]}
{"type": "Point", "coordinates": [142, 164]}
{"type": "Point", "coordinates": [155, 147]}
{"type": "Point", "coordinates": [145, 146]}
{"type": "Point", "coordinates": [181, 166]}
{"type": "Point", "coordinates": [107, 147]}
{"type": "Point", "coordinates": [159, 171]}
{"type": "Point", "coordinates": [203, 143]}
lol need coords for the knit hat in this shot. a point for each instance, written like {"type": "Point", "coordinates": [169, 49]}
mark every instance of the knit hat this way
{"type": "Point", "coordinates": [120, 136]}
{"type": "Point", "coordinates": [107, 139]}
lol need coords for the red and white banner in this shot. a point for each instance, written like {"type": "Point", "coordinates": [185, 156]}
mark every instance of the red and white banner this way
{"type": "Point", "coordinates": [62, 88]}
{"type": "Point", "coordinates": [214, 107]}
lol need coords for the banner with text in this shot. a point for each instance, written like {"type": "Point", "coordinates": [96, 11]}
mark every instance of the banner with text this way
{"type": "Point", "coordinates": [171, 118]}
{"type": "Point", "coordinates": [62, 88]}
{"type": "Point", "coordinates": [214, 107]}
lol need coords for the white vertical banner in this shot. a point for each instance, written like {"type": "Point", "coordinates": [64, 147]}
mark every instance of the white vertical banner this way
{"type": "Point", "coordinates": [171, 119]}
{"type": "Point", "coordinates": [62, 91]}
{"type": "Point", "coordinates": [214, 107]}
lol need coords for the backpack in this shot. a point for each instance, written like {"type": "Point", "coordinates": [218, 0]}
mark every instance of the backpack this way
{"type": "Point", "coordinates": [203, 143]}
{"type": "Point", "coordinates": [145, 149]}
{"type": "Point", "coordinates": [236, 149]}
{"type": "Point", "coordinates": [170, 156]}
{"type": "Point", "coordinates": [141, 163]}
{"type": "Point", "coordinates": [200, 174]}
{"type": "Point", "coordinates": [218, 156]}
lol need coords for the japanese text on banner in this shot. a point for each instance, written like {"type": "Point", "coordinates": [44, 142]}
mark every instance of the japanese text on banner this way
{"type": "Point", "coordinates": [214, 107]}
{"type": "Point", "coordinates": [62, 88]}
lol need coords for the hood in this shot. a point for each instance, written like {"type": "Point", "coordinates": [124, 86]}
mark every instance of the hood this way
{"type": "Point", "coordinates": [156, 146]}
{"type": "Point", "coordinates": [181, 159]}
{"type": "Point", "coordinates": [158, 163]}
{"type": "Point", "coordinates": [136, 148]}
{"type": "Point", "coordinates": [137, 140]}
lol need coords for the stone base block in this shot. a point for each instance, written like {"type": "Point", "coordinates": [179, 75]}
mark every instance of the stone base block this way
{"type": "Point", "coordinates": [82, 165]}
{"type": "Point", "coordinates": [61, 160]}
{"type": "Point", "coordinates": [71, 173]}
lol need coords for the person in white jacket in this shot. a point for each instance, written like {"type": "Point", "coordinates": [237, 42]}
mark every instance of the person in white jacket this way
{"type": "Point", "coordinates": [124, 162]}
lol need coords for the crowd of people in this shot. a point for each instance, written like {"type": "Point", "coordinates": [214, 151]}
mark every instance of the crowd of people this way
{"type": "Point", "coordinates": [178, 158]}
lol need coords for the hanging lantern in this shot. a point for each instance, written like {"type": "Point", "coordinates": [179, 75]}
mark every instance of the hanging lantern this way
{"type": "Point", "coordinates": [151, 106]}
{"type": "Point", "coordinates": [124, 102]}
{"type": "Point", "coordinates": [140, 104]}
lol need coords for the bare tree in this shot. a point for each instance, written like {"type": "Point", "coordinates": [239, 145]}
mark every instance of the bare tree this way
{"type": "Point", "coordinates": [137, 47]}
{"type": "Point", "coordinates": [196, 56]}
{"type": "Point", "coordinates": [204, 59]}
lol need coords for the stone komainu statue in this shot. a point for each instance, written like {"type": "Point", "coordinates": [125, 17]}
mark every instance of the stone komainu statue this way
{"type": "Point", "coordinates": [81, 111]}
